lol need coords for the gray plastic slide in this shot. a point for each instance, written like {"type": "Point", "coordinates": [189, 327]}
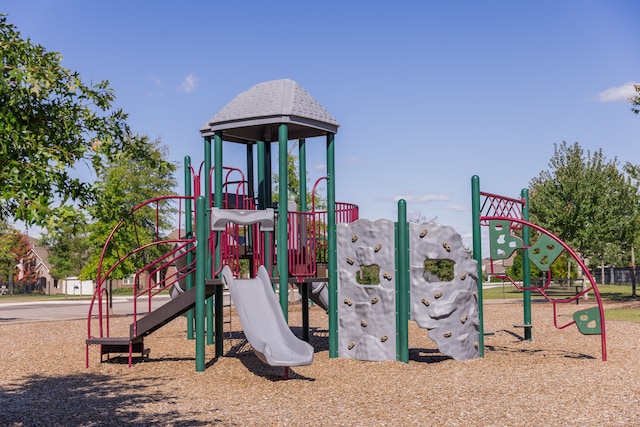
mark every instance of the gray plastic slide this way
{"type": "Point", "coordinates": [263, 323]}
{"type": "Point", "coordinates": [318, 293]}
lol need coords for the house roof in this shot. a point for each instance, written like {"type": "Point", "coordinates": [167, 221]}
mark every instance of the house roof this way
{"type": "Point", "coordinates": [255, 115]}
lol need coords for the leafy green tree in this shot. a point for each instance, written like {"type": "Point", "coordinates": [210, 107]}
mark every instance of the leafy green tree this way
{"type": "Point", "coordinates": [293, 183]}
{"type": "Point", "coordinates": [50, 121]}
{"type": "Point", "coordinates": [587, 201]}
{"type": "Point", "coordinates": [128, 181]}
{"type": "Point", "coordinates": [15, 248]}
{"type": "Point", "coordinates": [68, 246]}
{"type": "Point", "coordinates": [635, 100]}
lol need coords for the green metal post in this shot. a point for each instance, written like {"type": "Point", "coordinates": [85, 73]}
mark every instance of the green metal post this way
{"type": "Point", "coordinates": [402, 284]}
{"type": "Point", "coordinates": [263, 182]}
{"type": "Point", "coordinates": [283, 211]}
{"type": "Point", "coordinates": [332, 246]}
{"type": "Point", "coordinates": [201, 259]}
{"type": "Point", "coordinates": [188, 230]}
{"type": "Point", "coordinates": [219, 292]}
{"type": "Point", "coordinates": [526, 269]}
{"type": "Point", "coordinates": [207, 195]}
{"type": "Point", "coordinates": [477, 254]}
{"type": "Point", "coordinates": [250, 238]}
{"type": "Point", "coordinates": [302, 207]}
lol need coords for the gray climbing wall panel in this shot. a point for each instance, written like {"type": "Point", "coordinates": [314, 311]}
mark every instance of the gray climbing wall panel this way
{"type": "Point", "coordinates": [367, 326]}
{"type": "Point", "coordinates": [447, 308]}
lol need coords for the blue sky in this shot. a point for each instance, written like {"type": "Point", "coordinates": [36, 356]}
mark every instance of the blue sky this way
{"type": "Point", "coordinates": [427, 93]}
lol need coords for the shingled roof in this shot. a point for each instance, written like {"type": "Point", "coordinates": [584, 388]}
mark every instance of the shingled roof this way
{"type": "Point", "coordinates": [255, 114]}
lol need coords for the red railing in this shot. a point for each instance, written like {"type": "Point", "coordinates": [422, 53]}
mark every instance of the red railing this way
{"type": "Point", "coordinates": [308, 235]}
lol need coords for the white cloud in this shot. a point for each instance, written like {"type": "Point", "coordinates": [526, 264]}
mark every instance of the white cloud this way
{"type": "Point", "coordinates": [618, 93]}
{"type": "Point", "coordinates": [421, 199]}
{"type": "Point", "coordinates": [456, 208]}
{"type": "Point", "coordinates": [189, 83]}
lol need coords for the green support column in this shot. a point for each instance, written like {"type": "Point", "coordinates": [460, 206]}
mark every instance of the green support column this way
{"type": "Point", "coordinates": [250, 238]}
{"type": "Point", "coordinates": [209, 262]}
{"type": "Point", "coordinates": [188, 230]}
{"type": "Point", "coordinates": [263, 182]}
{"type": "Point", "coordinates": [402, 284]}
{"type": "Point", "coordinates": [302, 207]}
{"type": "Point", "coordinates": [219, 292]}
{"type": "Point", "coordinates": [526, 268]}
{"type": "Point", "coordinates": [332, 246]}
{"type": "Point", "coordinates": [282, 241]}
{"type": "Point", "coordinates": [201, 259]}
{"type": "Point", "coordinates": [477, 254]}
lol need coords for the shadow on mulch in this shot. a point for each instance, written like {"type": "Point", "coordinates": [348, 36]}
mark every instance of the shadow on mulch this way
{"type": "Point", "coordinates": [91, 399]}
{"type": "Point", "coordinates": [533, 351]}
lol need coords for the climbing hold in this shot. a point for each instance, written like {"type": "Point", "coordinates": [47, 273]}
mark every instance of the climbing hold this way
{"type": "Point", "coordinates": [374, 300]}
{"type": "Point", "coordinates": [351, 345]}
{"type": "Point", "coordinates": [348, 302]}
{"type": "Point", "coordinates": [354, 238]}
{"type": "Point", "coordinates": [476, 345]}
{"type": "Point", "coordinates": [363, 323]}
{"type": "Point", "coordinates": [464, 318]}
{"type": "Point", "coordinates": [423, 233]}
{"type": "Point", "coordinates": [425, 302]}
{"type": "Point", "coordinates": [437, 295]}
{"type": "Point", "coordinates": [350, 261]}
{"type": "Point", "coordinates": [447, 334]}
{"type": "Point", "coordinates": [463, 276]}
{"type": "Point", "coordinates": [446, 247]}
{"type": "Point", "coordinates": [387, 276]}
{"type": "Point", "coordinates": [377, 247]}
{"type": "Point", "coordinates": [384, 338]}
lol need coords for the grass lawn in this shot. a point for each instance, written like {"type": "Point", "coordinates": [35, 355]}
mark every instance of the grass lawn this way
{"type": "Point", "coordinates": [609, 293]}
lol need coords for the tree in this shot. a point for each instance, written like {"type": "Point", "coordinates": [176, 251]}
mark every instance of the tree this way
{"type": "Point", "coordinates": [293, 182]}
{"type": "Point", "coordinates": [49, 122]}
{"type": "Point", "coordinates": [635, 100]}
{"type": "Point", "coordinates": [68, 246]}
{"type": "Point", "coordinates": [15, 256]}
{"type": "Point", "coordinates": [125, 183]}
{"type": "Point", "coordinates": [587, 202]}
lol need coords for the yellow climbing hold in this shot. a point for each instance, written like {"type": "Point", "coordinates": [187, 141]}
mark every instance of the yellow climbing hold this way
{"type": "Point", "coordinates": [387, 276]}
{"type": "Point", "coordinates": [363, 323]}
{"type": "Point", "coordinates": [374, 300]}
{"type": "Point", "coordinates": [377, 247]}
{"type": "Point", "coordinates": [425, 302]}
{"type": "Point", "coordinates": [463, 276]}
{"type": "Point", "coordinates": [348, 302]}
{"type": "Point", "coordinates": [350, 261]}
{"type": "Point", "coordinates": [437, 295]}
{"type": "Point", "coordinates": [384, 338]}
{"type": "Point", "coordinates": [446, 247]}
{"type": "Point", "coordinates": [423, 233]}
{"type": "Point", "coordinates": [447, 334]}
{"type": "Point", "coordinates": [354, 238]}
{"type": "Point", "coordinates": [464, 318]}
{"type": "Point", "coordinates": [351, 345]}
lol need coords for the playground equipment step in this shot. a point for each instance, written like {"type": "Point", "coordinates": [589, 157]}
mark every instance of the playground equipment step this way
{"type": "Point", "coordinates": [523, 325]}
{"type": "Point", "coordinates": [119, 345]}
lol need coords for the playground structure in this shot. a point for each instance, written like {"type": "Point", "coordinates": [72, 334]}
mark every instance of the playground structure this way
{"type": "Point", "coordinates": [231, 226]}
{"type": "Point", "coordinates": [506, 218]}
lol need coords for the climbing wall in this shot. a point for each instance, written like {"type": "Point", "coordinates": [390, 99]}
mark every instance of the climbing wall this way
{"type": "Point", "coordinates": [443, 290]}
{"type": "Point", "coordinates": [367, 326]}
{"type": "Point", "coordinates": [447, 308]}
